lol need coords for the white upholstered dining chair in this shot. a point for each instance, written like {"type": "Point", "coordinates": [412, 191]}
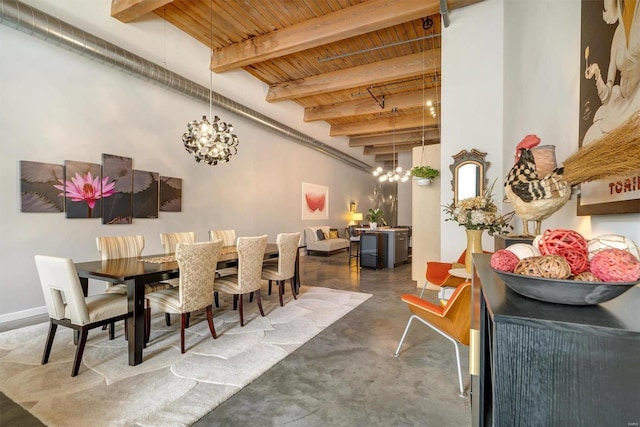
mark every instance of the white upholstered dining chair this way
{"type": "Point", "coordinates": [67, 306]}
{"type": "Point", "coordinates": [247, 280]}
{"type": "Point", "coordinates": [197, 263]}
{"type": "Point", "coordinates": [285, 267]}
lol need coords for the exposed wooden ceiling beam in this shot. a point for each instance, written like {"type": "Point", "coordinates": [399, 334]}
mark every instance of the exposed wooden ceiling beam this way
{"type": "Point", "coordinates": [130, 10]}
{"type": "Point", "coordinates": [387, 138]}
{"type": "Point", "coordinates": [384, 124]}
{"type": "Point", "coordinates": [345, 23]}
{"type": "Point", "coordinates": [386, 149]}
{"type": "Point", "coordinates": [364, 75]}
{"type": "Point", "coordinates": [369, 105]}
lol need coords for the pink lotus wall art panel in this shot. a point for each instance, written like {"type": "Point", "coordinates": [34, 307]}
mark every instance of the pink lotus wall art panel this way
{"type": "Point", "coordinates": [83, 189]}
{"type": "Point", "coordinates": [170, 194]}
{"type": "Point", "coordinates": [37, 191]}
{"type": "Point", "coordinates": [315, 201]}
{"type": "Point", "coordinates": [118, 208]}
{"type": "Point", "coordinates": [145, 194]}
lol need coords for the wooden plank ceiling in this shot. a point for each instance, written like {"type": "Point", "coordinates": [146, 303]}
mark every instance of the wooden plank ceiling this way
{"type": "Point", "coordinates": [369, 68]}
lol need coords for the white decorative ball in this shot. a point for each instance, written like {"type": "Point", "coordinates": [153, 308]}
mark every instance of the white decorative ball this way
{"type": "Point", "coordinates": [612, 241]}
{"type": "Point", "coordinates": [523, 250]}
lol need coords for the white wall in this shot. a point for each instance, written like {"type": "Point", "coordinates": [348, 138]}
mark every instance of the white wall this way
{"type": "Point", "coordinates": [512, 68]}
{"type": "Point", "coordinates": [56, 105]}
{"type": "Point", "coordinates": [426, 214]}
{"type": "Point", "coordinates": [404, 192]}
{"type": "Point", "coordinates": [472, 103]}
{"type": "Point", "coordinates": [542, 84]}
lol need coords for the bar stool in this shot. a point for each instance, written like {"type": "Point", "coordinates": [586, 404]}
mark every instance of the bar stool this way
{"type": "Point", "coordinates": [354, 243]}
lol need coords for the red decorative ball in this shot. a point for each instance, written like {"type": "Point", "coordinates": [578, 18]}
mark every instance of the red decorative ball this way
{"type": "Point", "coordinates": [553, 240]}
{"type": "Point", "coordinates": [578, 259]}
{"type": "Point", "coordinates": [504, 260]}
{"type": "Point", "coordinates": [615, 265]}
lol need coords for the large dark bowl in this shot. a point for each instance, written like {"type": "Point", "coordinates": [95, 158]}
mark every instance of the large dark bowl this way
{"type": "Point", "coordinates": [571, 292]}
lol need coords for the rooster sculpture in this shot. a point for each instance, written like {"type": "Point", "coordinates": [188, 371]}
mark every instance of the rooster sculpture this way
{"type": "Point", "coordinates": [534, 198]}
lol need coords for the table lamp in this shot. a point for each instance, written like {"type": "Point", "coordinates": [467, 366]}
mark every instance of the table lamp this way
{"type": "Point", "coordinates": [356, 217]}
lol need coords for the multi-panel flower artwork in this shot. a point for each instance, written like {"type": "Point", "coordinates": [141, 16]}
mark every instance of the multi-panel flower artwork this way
{"type": "Point", "coordinates": [113, 191]}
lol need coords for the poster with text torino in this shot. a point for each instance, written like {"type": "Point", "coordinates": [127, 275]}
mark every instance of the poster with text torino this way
{"type": "Point", "coordinates": [315, 201]}
{"type": "Point", "coordinates": [609, 94]}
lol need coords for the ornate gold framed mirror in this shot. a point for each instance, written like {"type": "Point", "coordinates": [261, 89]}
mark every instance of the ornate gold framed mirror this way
{"type": "Point", "coordinates": [469, 171]}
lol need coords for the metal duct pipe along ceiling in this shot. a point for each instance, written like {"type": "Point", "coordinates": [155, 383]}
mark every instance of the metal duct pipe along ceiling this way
{"type": "Point", "coordinates": [29, 20]}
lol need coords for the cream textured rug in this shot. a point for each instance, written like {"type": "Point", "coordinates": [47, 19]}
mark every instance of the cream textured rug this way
{"type": "Point", "coordinates": [168, 388]}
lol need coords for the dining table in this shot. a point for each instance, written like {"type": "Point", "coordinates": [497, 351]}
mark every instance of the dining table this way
{"type": "Point", "coordinates": [135, 272]}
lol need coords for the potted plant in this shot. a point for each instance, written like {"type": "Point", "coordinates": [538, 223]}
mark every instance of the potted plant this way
{"type": "Point", "coordinates": [423, 175]}
{"type": "Point", "coordinates": [375, 217]}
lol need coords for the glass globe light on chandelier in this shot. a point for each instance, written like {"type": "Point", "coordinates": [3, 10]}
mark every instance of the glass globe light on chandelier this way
{"type": "Point", "coordinates": [391, 176]}
{"type": "Point", "coordinates": [396, 174]}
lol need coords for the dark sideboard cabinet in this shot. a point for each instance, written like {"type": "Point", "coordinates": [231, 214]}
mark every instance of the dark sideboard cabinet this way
{"type": "Point", "coordinates": [541, 364]}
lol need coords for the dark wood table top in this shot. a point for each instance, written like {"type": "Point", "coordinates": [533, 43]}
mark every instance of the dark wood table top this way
{"type": "Point", "coordinates": [122, 269]}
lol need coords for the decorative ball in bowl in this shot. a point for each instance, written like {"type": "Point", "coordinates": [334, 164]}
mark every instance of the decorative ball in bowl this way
{"type": "Point", "coordinates": [570, 292]}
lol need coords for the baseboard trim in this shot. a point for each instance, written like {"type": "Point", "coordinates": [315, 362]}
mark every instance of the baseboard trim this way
{"type": "Point", "coordinates": [19, 315]}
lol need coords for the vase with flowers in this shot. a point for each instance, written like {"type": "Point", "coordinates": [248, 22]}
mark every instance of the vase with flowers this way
{"type": "Point", "coordinates": [477, 214]}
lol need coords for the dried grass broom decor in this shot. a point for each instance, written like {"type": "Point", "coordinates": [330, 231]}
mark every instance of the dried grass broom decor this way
{"type": "Point", "coordinates": [616, 154]}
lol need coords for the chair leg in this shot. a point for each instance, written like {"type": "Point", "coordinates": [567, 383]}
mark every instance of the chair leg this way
{"type": "Point", "coordinates": [49, 343]}
{"type": "Point", "coordinates": [423, 288]}
{"type": "Point", "coordinates": [183, 322]}
{"type": "Point", "coordinates": [240, 311]}
{"type": "Point", "coordinates": [210, 321]}
{"type": "Point", "coordinates": [167, 319]}
{"type": "Point", "coordinates": [147, 323]}
{"type": "Point", "coordinates": [293, 288]}
{"type": "Point", "coordinates": [280, 291]}
{"type": "Point", "coordinates": [406, 329]}
{"type": "Point", "coordinates": [79, 350]}
{"type": "Point", "coordinates": [269, 287]}
{"type": "Point", "coordinates": [250, 296]}
{"type": "Point", "coordinates": [188, 319]}
{"type": "Point", "coordinates": [112, 330]}
{"type": "Point", "coordinates": [235, 301]}
{"type": "Point", "coordinates": [259, 301]}
{"type": "Point", "coordinates": [462, 394]}
{"type": "Point", "coordinates": [455, 343]}
{"type": "Point", "coordinates": [215, 298]}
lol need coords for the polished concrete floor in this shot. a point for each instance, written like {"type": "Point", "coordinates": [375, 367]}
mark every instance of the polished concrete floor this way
{"type": "Point", "coordinates": [347, 375]}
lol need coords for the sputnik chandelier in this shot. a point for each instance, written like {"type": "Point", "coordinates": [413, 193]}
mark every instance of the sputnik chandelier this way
{"type": "Point", "coordinates": [211, 143]}
{"type": "Point", "coordinates": [396, 174]}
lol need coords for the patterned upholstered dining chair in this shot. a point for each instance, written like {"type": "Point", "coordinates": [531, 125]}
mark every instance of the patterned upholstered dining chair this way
{"type": "Point", "coordinates": [67, 305]}
{"type": "Point", "coordinates": [169, 242]}
{"type": "Point", "coordinates": [284, 269]}
{"type": "Point", "coordinates": [197, 263]}
{"type": "Point", "coordinates": [247, 280]}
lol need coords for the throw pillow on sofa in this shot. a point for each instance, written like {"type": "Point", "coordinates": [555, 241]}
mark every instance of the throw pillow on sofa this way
{"type": "Point", "coordinates": [333, 234]}
{"type": "Point", "coordinates": [320, 234]}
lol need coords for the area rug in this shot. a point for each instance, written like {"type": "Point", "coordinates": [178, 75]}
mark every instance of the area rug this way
{"type": "Point", "coordinates": [168, 388]}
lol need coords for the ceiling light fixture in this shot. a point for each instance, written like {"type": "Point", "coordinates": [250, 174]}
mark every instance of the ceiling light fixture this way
{"type": "Point", "coordinates": [396, 174]}
{"type": "Point", "coordinates": [210, 142]}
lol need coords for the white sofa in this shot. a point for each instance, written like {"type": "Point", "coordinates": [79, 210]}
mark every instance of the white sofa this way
{"type": "Point", "coordinates": [328, 246]}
